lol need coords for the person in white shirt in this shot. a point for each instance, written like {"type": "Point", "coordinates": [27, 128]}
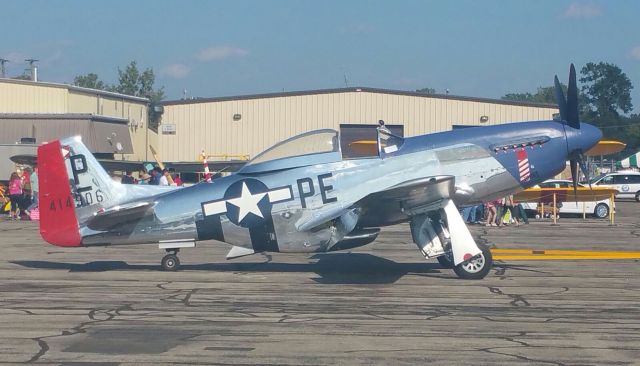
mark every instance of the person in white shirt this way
{"type": "Point", "coordinates": [163, 179]}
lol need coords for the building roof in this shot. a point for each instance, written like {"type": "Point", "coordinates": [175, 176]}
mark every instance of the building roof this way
{"type": "Point", "coordinates": [64, 116]}
{"type": "Point", "coordinates": [356, 89]}
{"type": "Point", "coordinates": [75, 88]}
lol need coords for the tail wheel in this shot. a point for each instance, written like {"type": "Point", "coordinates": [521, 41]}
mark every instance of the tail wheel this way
{"type": "Point", "coordinates": [170, 262]}
{"type": "Point", "coordinates": [602, 210]}
{"type": "Point", "coordinates": [477, 267]}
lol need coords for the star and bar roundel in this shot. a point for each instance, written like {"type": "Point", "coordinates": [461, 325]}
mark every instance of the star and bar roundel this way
{"type": "Point", "coordinates": [248, 202]}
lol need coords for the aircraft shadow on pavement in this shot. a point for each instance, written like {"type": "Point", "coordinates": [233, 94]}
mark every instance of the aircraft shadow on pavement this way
{"type": "Point", "coordinates": [334, 268]}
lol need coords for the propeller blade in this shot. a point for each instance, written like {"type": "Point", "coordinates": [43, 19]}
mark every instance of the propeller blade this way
{"type": "Point", "coordinates": [562, 102]}
{"type": "Point", "coordinates": [583, 167]}
{"type": "Point", "coordinates": [574, 177]}
{"type": "Point", "coordinates": [573, 118]}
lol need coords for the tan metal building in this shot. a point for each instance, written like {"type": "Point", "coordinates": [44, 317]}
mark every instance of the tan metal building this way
{"type": "Point", "coordinates": [48, 110]}
{"type": "Point", "coordinates": [239, 125]}
{"type": "Point", "coordinates": [246, 125]}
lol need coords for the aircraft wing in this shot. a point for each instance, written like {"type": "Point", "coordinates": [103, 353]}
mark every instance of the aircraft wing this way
{"type": "Point", "coordinates": [412, 197]}
{"type": "Point", "coordinates": [395, 203]}
{"type": "Point", "coordinates": [119, 215]}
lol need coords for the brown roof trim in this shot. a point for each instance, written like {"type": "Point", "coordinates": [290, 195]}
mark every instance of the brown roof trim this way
{"type": "Point", "coordinates": [65, 116]}
{"type": "Point", "coordinates": [352, 90]}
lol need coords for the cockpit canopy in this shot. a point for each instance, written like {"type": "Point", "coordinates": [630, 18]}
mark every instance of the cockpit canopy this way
{"type": "Point", "coordinates": [313, 147]}
{"type": "Point", "coordinates": [313, 142]}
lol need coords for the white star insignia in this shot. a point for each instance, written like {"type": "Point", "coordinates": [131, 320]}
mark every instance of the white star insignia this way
{"type": "Point", "coordinates": [247, 202]}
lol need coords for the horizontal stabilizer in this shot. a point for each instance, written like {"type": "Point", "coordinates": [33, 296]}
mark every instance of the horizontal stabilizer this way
{"type": "Point", "coordinates": [237, 252]}
{"type": "Point", "coordinates": [119, 215]}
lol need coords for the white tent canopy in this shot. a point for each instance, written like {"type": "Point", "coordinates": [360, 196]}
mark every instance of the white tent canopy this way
{"type": "Point", "coordinates": [629, 162]}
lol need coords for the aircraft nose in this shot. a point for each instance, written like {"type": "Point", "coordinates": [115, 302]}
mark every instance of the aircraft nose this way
{"type": "Point", "coordinates": [584, 138]}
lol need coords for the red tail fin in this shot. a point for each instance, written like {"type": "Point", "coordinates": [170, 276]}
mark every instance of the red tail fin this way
{"type": "Point", "coordinates": [58, 221]}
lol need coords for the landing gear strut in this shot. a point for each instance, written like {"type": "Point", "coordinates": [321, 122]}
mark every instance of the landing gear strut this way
{"type": "Point", "coordinates": [444, 235]}
{"type": "Point", "coordinates": [170, 262]}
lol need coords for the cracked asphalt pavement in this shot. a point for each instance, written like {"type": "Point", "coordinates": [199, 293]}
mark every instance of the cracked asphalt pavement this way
{"type": "Point", "coordinates": [380, 304]}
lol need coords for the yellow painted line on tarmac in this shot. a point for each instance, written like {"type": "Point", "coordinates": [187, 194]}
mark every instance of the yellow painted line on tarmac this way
{"type": "Point", "coordinates": [531, 254]}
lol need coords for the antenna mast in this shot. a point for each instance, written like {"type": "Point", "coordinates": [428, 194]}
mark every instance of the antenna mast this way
{"type": "Point", "coordinates": [33, 67]}
{"type": "Point", "coordinates": [3, 73]}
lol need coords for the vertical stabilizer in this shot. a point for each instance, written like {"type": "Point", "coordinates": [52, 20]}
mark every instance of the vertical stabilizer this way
{"type": "Point", "coordinates": [58, 220]}
{"type": "Point", "coordinates": [73, 187]}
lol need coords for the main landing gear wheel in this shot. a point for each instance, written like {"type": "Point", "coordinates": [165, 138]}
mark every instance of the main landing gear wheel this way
{"type": "Point", "coordinates": [170, 262]}
{"type": "Point", "coordinates": [477, 267]}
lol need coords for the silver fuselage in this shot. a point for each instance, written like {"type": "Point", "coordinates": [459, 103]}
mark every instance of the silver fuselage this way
{"type": "Point", "coordinates": [482, 160]}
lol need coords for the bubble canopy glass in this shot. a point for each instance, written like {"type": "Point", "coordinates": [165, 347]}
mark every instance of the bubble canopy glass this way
{"type": "Point", "coordinates": [314, 147]}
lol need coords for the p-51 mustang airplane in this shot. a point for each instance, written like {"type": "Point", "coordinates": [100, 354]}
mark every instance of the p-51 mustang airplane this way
{"type": "Point", "coordinates": [302, 196]}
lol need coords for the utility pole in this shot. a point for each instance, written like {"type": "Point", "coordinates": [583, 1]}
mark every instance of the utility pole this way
{"type": "Point", "coordinates": [3, 73]}
{"type": "Point", "coordinates": [34, 69]}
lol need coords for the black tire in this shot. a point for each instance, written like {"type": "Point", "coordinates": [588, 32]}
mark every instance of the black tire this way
{"type": "Point", "coordinates": [638, 196]}
{"type": "Point", "coordinates": [601, 211]}
{"type": "Point", "coordinates": [477, 267]}
{"type": "Point", "coordinates": [445, 262]}
{"type": "Point", "coordinates": [170, 262]}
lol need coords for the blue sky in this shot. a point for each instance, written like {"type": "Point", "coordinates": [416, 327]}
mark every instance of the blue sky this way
{"type": "Point", "coordinates": [215, 48]}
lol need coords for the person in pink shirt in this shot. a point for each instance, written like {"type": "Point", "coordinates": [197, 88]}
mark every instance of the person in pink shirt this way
{"type": "Point", "coordinates": [490, 213]}
{"type": "Point", "coordinates": [15, 195]}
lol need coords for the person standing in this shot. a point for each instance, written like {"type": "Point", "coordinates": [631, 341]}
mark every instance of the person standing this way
{"type": "Point", "coordinates": [26, 188]}
{"type": "Point", "coordinates": [469, 214]}
{"type": "Point", "coordinates": [163, 179]}
{"type": "Point", "coordinates": [34, 189]}
{"type": "Point", "coordinates": [177, 180]}
{"type": "Point", "coordinates": [509, 206]}
{"type": "Point", "coordinates": [522, 215]}
{"type": "Point", "coordinates": [145, 178]}
{"type": "Point", "coordinates": [490, 214]}
{"type": "Point", "coordinates": [155, 176]}
{"type": "Point", "coordinates": [499, 207]}
{"type": "Point", "coordinates": [466, 214]}
{"type": "Point", "coordinates": [15, 195]}
{"type": "Point", "coordinates": [128, 178]}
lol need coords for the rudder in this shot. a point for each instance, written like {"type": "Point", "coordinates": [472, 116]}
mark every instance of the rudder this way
{"type": "Point", "coordinates": [58, 220]}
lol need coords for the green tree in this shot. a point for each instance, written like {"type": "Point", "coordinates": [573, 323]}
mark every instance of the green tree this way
{"type": "Point", "coordinates": [545, 94]}
{"type": "Point", "coordinates": [130, 82]}
{"type": "Point", "coordinates": [23, 76]}
{"type": "Point", "coordinates": [90, 80]}
{"type": "Point", "coordinates": [426, 91]}
{"type": "Point", "coordinates": [133, 82]}
{"type": "Point", "coordinates": [607, 90]}
{"type": "Point", "coordinates": [518, 97]}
